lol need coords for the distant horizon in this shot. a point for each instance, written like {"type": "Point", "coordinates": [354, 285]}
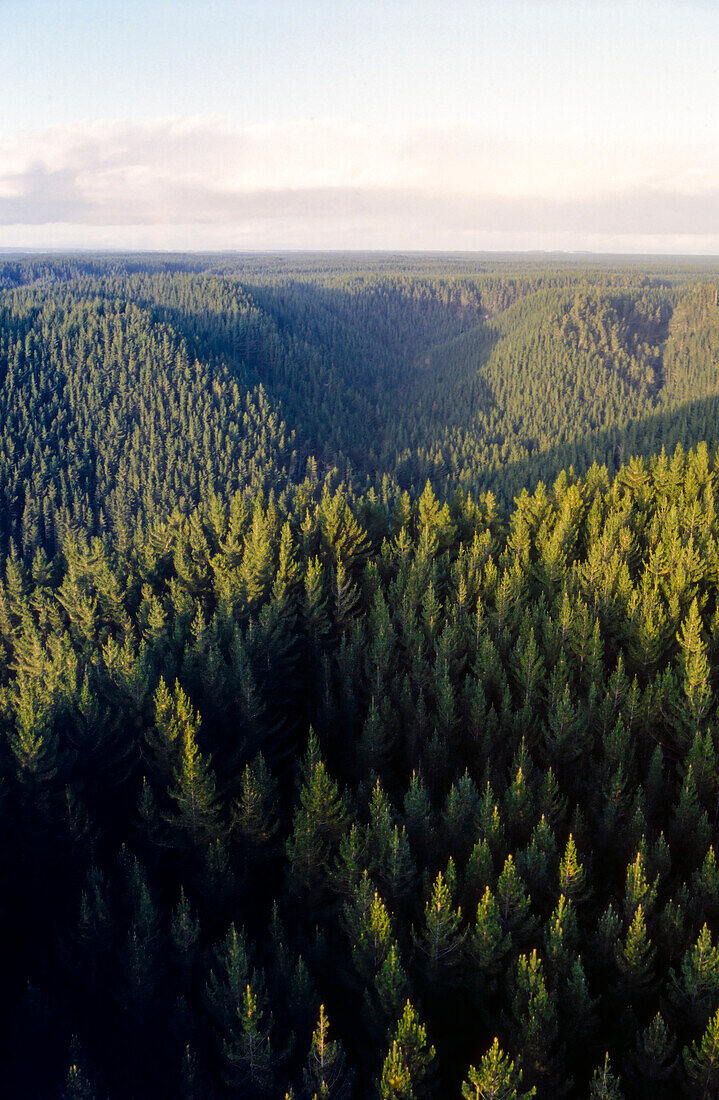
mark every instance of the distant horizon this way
{"type": "Point", "coordinates": [9, 250]}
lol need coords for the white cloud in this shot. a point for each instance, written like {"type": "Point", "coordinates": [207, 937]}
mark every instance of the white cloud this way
{"type": "Point", "coordinates": [325, 183]}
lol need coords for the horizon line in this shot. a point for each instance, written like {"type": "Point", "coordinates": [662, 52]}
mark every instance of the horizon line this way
{"type": "Point", "coordinates": [37, 250]}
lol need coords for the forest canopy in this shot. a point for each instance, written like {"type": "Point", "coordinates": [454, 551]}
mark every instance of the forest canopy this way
{"type": "Point", "coordinates": [359, 667]}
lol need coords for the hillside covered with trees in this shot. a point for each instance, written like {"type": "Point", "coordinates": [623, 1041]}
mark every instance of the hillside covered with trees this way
{"type": "Point", "coordinates": [359, 674]}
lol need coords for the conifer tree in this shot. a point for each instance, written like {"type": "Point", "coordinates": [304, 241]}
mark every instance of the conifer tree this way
{"type": "Point", "coordinates": [637, 890]}
{"type": "Point", "coordinates": [440, 938]}
{"type": "Point", "coordinates": [248, 1051]}
{"type": "Point", "coordinates": [654, 1058]}
{"type": "Point", "coordinates": [572, 879]}
{"type": "Point", "coordinates": [534, 1017]}
{"type": "Point", "coordinates": [705, 887]}
{"type": "Point", "coordinates": [408, 1067]}
{"type": "Point", "coordinates": [635, 956]}
{"type": "Point", "coordinates": [605, 1086]}
{"type": "Point", "coordinates": [228, 978]}
{"type": "Point", "coordinates": [696, 989]}
{"type": "Point", "coordinates": [418, 816]}
{"type": "Point", "coordinates": [495, 1078]}
{"type": "Point", "coordinates": [478, 872]}
{"type": "Point", "coordinates": [317, 826]}
{"type": "Point", "coordinates": [255, 818]}
{"type": "Point", "coordinates": [396, 1080]}
{"type": "Point", "coordinates": [487, 944]}
{"type": "Point", "coordinates": [701, 1061]}
{"type": "Point", "coordinates": [77, 1084]}
{"type": "Point", "coordinates": [325, 1075]}
{"type": "Point", "coordinates": [184, 931]}
{"type": "Point", "coordinates": [194, 793]}
{"type": "Point", "coordinates": [514, 904]}
{"type": "Point", "coordinates": [175, 722]}
{"type": "Point", "coordinates": [391, 985]}
{"type": "Point", "coordinates": [695, 667]}
{"type": "Point", "coordinates": [368, 929]}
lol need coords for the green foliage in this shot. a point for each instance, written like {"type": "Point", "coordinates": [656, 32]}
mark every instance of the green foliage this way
{"type": "Point", "coordinates": [505, 810]}
{"type": "Point", "coordinates": [440, 937]}
{"type": "Point", "coordinates": [605, 1086]}
{"type": "Point", "coordinates": [495, 1079]}
{"type": "Point", "coordinates": [408, 1066]}
{"type": "Point", "coordinates": [318, 824]}
{"type": "Point", "coordinates": [701, 1061]}
{"type": "Point", "coordinates": [196, 814]}
{"type": "Point", "coordinates": [325, 1076]}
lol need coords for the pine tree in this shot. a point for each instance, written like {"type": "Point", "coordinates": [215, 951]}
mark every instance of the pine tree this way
{"type": "Point", "coordinates": [514, 905]}
{"type": "Point", "coordinates": [408, 1066]}
{"type": "Point", "coordinates": [689, 830]}
{"type": "Point", "coordinates": [577, 1005]}
{"type": "Point", "coordinates": [391, 986]}
{"type": "Point", "coordinates": [418, 817]}
{"type": "Point", "coordinates": [534, 1017]}
{"type": "Point", "coordinates": [77, 1084]}
{"type": "Point", "coordinates": [318, 823]}
{"type": "Point", "coordinates": [369, 930]}
{"type": "Point", "coordinates": [654, 1059]}
{"type": "Point", "coordinates": [696, 990]}
{"type": "Point", "coordinates": [194, 793]}
{"type": "Point", "coordinates": [635, 956]}
{"type": "Point", "coordinates": [637, 890]}
{"type": "Point", "coordinates": [396, 1080]}
{"type": "Point", "coordinates": [184, 932]}
{"type": "Point", "coordinates": [605, 1086]}
{"type": "Point", "coordinates": [561, 936]}
{"type": "Point", "coordinates": [227, 980]}
{"type": "Point", "coordinates": [374, 743]}
{"type": "Point", "coordinates": [695, 667]}
{"type": "Point", "coordinates": [248, 1052]}
{"type": "Point", "coordinates": [325, 1075]}
{"type": "Point", "coordinates": [495, 1079]}
{"type": "Point", "coordinates": [487, 944]}
{"type": "Point", "coordinates": [704, 889]}
{"type": "Point", "coordinates": [440, 938]}
{"type": "Point", "coordinates": [255, 820]}
{"type": "Point", "coordinates": [478, 873]}
{"type": "Point", "coordinates": [175, 721]}
{"type": "Point", "coordinates": [192, 1086]}
{"type": "Point", "coordinates": [572, 878]}
{"type": "Point", "coordinates": [143, 941]}
{"type": "Point", "coordinates": [701, 1061]}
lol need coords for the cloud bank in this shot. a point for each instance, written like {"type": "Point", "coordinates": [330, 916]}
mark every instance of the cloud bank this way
{"type": "Point", "coordinates": [324, 184]}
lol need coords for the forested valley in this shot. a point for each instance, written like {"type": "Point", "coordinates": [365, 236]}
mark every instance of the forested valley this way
{"type": "Point", "coordinates": [359, 672]}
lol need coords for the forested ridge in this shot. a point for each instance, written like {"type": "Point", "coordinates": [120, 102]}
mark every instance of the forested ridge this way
{"type": "Point", "coordinates": [359, 672]}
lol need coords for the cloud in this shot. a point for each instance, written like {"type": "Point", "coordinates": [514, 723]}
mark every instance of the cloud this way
{"type": "Point", "coordinates": [331, 184]}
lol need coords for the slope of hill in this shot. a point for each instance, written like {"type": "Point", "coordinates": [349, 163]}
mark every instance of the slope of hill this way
{"type": "Point", "coordinates": [321, 780]}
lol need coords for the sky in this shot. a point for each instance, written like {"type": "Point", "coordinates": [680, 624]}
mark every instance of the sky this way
{"type": "Point", "coordinates": [360, 124]}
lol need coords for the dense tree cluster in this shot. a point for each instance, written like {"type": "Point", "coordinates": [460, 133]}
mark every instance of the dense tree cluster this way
{"type": "Point", "coordinates": [321, 781]}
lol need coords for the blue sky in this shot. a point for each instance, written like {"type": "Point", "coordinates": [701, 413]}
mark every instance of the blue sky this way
{"type": "Point", "coordinates": [304, 123]}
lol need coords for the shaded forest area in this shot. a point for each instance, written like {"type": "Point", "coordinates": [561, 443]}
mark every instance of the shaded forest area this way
{"type": "Point", "coordinates": [359, 660]}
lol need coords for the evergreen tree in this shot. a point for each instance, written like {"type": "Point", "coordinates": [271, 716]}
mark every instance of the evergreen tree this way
{"type": "Point", "coordinates": [248, 1052]}
{"type": "Point", "coordinates": [440, 938]}
{"type": "Point", "coordinates": [605, 1086]}
{"type": "Point", "coordinates": [325, 1075]}
{"type": "Point", "coordinates": [495, 1079]}
{"type": "Point", "coordinates": [701, 1061]}
{"type": "Point", "coordinates": [194, 793]}
{"type": "Point", "coordinates": [317, 826]}
{"type": "Point", "coordinates": [408, 1066]}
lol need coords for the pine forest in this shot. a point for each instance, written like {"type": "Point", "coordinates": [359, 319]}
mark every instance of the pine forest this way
{"type": "Point", "coordinates": [359, 677]}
